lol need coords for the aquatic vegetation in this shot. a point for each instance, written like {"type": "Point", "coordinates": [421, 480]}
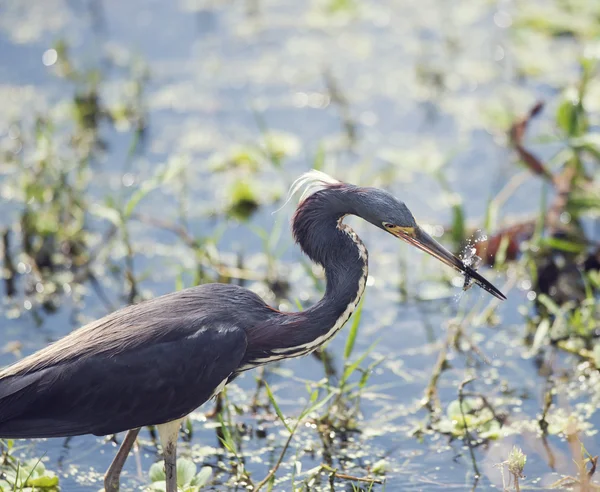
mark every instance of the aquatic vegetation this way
{"type": "Point", "coordinates": [515, 465]}
{"type": "Point", "coordinates": [25, 476]}
{"type": "Point", "coordinates": [144, 173]}
{"type": "Point", "coordinates": [189, 479]}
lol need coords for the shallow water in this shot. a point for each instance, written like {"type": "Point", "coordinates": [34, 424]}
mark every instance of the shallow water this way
{"type": "Point", "coordinates": [422, 79]}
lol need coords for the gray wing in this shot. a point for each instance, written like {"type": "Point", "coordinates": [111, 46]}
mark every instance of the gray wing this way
{"type": "Point", "coordinates": [149, 383]}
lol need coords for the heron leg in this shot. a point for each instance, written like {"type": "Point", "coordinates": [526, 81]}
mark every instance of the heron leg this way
{"type": "Point", "coordinates": [113, 475]}
{"type": "Point", "coordinates": [169, 433]}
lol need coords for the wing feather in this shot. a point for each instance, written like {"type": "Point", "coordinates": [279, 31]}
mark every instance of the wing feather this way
{"type": "Point", "coordinates": [152, 382]}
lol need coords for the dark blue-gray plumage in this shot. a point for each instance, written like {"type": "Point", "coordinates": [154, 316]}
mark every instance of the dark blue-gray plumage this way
{"type": "Point", "coordinates": [155, 362]}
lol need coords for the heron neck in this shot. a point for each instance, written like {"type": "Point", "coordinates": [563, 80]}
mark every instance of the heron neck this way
{"type": "Point", "coordinates": [346, 275]}
{"type": "Point", "coordinates": [319, 229]}
{"type": "Point", "coordinates": [326, 240]}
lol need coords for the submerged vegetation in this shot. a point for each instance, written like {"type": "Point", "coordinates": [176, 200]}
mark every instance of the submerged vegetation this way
{"type": "Point", "coordinates": [105, 205]}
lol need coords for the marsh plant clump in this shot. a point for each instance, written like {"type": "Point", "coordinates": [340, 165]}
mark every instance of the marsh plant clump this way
{"type": "Point", "coordinates": [144, 173]}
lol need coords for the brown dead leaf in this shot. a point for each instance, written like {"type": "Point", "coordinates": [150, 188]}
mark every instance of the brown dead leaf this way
{"type": "Point", "coordinates": [517, 134]}
{"type": "Point", "coordinates": [514, 235]}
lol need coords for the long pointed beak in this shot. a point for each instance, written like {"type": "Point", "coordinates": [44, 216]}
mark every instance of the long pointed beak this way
{"type": "Point", "coordinates": [419, 238]}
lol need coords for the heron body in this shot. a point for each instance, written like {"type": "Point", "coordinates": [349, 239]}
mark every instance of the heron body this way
{"type": "Point", "coordinates": [155, 362]}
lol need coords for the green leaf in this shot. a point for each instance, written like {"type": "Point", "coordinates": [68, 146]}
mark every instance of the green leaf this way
{"type": "Point", "coordinates": [226, 440]}
{"type": "Point", "coordinates": [584, 202]}
{"type": "Point", "coordinates": [186, 471]}
{"type": "Point", "coordinates": [279, 145]}
{"type": "Point", "coordinates": [175, 167]}
{"type": "Point", "coordinates": [315, 406]}
{"type": "Point", "coordinates": [228, 445]}
{"type": "Point", "coordinates": [540, 335]}
{"type": "Point", "coordinates": [243, 200]}
{"type": "Point", "coordinates": [179, 282]}
{"type": "Point", "coordinates": [454, 409]}
{"type": "Point", "coordinates": [458, 225]}
{"type": "Point", "coordinates": [29, 470]}
{"type": "Point", "coordinates": [157, 472]}
{"type": "Point", "coordinates": [353, 330]}
{"type": "Point", "coordinates": [491, 431]}
{"type": "Point", "coordinates": [596, 355]}
{"type": "Point", "coordinates": [454, 412]}
{"type": "Point", "coordinates": [45, 481]}
{"type": "Point", "coordinates": [563, 245]}
{"type": "Point", "coordinates": [366, 374]}
{"type": "Point", "coordinates": [564, 116]}
{"type": "Point", "coordinates": [379, 467]}
{"type": "Point", "coordinates": [338, 6]}
{"type": "Point", "coordinates": [549, 304]}
{"type": "Point", "coordinates": [594, 278]}
{"type": "Point", "coordinates": [500, 258]}
{"type": "Point", "coordinates": [319, 159]}
{"type": "Point", "coordinates": [589, 142]}
{"type": "Point", "coordinates": [106, 212]}
{"type": "Point", "coordinates": [491, 216]}
{"type": "Point", "coordinates": [570, 116]}
{"type": "Point", "coordinates": [313, 396]}
{"type": "Point", "coordinates": [348, 370]}
{"type": "Point", "coordinates": [10, 475]}
{"type": "Point", "coordinates": [159, 486]}
{"type": "Point", "coordinates": [516, 461]}
{"type": "Point", "coordinates": [202, 478]}
{"type": "Point", "coordinates": [243, 157]}
{"type": "Point", "coordinates": [37, 467]}
{"type": "Point", "coordinates": [276, 407]}
{"type": "Point", "coordinates": [137, 197]}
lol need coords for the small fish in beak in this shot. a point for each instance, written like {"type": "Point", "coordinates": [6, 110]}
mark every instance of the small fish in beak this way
{"type": "Point", "coordinates": [474, 262]}
{"type": "Point", "coordinates": [417, 237]}
{"type": "Point", "coordinates": [470, 259]}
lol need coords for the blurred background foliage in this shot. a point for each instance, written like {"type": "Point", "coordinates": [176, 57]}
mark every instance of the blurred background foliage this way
{"type": "Point", "coordinates": [149, 146]}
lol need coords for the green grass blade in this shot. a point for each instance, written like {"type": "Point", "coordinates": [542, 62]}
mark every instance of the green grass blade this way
{"type": "Point", "coordinates": [352, 367]}
{"type": "Point", "coordinates": [316, 406]}
{"type": "Point", "coordinates": [353, 330]}
{"type": "Point", "coordinates": [276, 407]}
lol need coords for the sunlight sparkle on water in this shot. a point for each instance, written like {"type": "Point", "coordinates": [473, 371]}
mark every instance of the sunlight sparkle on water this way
{"type": "Point", "coordinates": [502, 19]}
{"type": "Point", "coordinates": [50, 57]}
{"type": "Point", "coordinates": [565, 217]}
{"type": "Point", "coordinates": [128, 180]}
{"type": "Point", "coordinates": [525, 284]}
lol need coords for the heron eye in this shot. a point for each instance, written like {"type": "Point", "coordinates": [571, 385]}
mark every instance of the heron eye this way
{"type": "Point", "coordinates": [387, 225]}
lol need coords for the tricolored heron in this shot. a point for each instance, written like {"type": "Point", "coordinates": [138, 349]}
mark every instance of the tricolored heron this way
{"type": "Point", "coordinates": [155, 362]}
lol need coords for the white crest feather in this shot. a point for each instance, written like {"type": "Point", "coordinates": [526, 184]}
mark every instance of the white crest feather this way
{"type": "Point", "coordinates": [309, 183]}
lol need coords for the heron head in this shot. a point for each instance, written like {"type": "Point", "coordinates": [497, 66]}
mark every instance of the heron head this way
{"type": "Point", "coordinates": [385, 211]}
